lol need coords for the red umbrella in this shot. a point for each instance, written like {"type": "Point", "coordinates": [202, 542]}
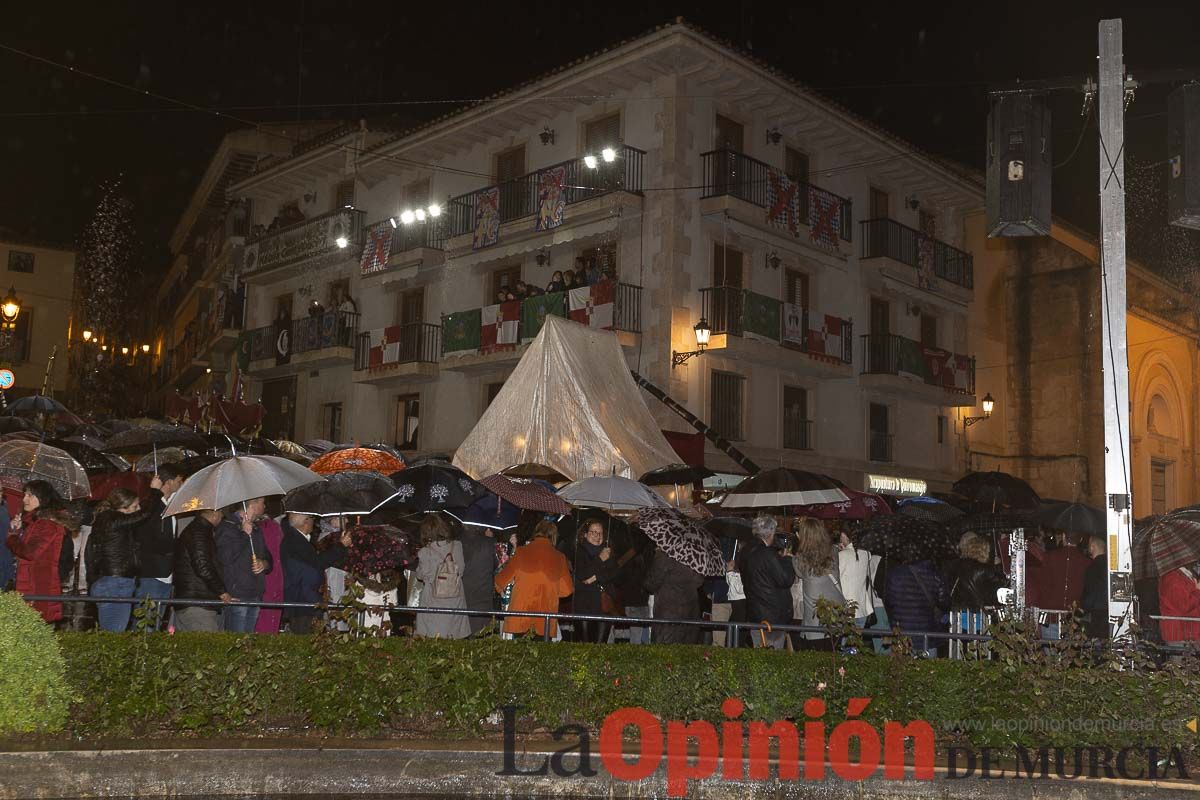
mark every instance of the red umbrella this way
{"type": "Point", "coordinates": [357, 459]}
{"type": "Point", "coordinates": [526, 494]}
{"type": "Point", "coordinates": [859, 505]}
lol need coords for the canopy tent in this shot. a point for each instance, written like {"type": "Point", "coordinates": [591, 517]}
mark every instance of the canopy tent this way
{"type": "Point", "coordinates": [570, 404]}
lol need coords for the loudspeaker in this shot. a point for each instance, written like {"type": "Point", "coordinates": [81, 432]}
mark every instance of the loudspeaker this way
{"type": "Point", "coordinates": [1018, 166]}
{"type": "Point", "coordinates": [1183, 153]}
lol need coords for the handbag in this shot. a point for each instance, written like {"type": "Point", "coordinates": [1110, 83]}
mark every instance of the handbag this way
{"type": "Point", "coordinates": [447, 581]}
{"type": "Point", "coordinates": [733, 579]}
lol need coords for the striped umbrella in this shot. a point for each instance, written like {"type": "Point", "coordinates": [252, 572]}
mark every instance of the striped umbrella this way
{"type": "Point", "coordinates": [1167, 543]}
{"type": "Point", "coordinates": [526, 494]}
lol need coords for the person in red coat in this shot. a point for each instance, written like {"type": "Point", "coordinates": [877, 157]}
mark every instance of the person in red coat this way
{"type": "Point", "coordinates": [1179, 596]}
{"type": "Point", "coordinates": [1056, 582]}
{"type": "Point", "coordinates": [36, 540]}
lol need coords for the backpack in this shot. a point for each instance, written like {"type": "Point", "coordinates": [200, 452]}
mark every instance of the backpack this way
{"type": "Point", "coordinates": [447, 581]}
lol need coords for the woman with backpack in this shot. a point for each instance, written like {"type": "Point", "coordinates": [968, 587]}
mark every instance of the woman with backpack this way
{"type": "Point", "coordinates": [439, 569]}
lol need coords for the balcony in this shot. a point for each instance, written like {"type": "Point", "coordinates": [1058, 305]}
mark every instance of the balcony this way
{"type": "Point", "coordinates": [753, 326]}
{"type": "Point", "coordinates": [220, 326]}
{"type": "Point", "coordinates": [470, 345]}
{"type": "Point", "coordinates": [899, 363]}
{"type": "Point", "coordinates": [280, 253]}
{"type": "Point", "coordinates": [324, 340]}
{"type": "Point", "coordinates": [797, 432]}
{"type": "Point", "coordinates": [730, 174]}
{"type": "Point", "coordinates": [417, 244]}
{"type": "Point", "coordinates": [519, 198]}
{"type": "Point", "coordinates": [398, 355]}
{"type": "Point", "coordinates": [880, 446]}
{"type": "Point", "coordinates": [934, 260]}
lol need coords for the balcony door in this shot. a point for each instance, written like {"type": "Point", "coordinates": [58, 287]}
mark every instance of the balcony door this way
{"type": "Point", "coordinates": [880, 432]}
{"type": "Point", "coordinates": [797, 433]}
{"type": "Point", "coordinates": [728, 135]}
{"type": "Point", "coordinates": [929, 330]}
{"type": "Point", "coordinates": [597, 135]}
{"type": "Point", "coordinates": [279, 403]}
{"type": "Point", "coordinates": [725, 307]}
{"type": "Point", "coordinates": [879, 343]}
{"type": "Point", "coordinates": [410, 314]}
{"type": "Point", "coordinates": [514, 200]}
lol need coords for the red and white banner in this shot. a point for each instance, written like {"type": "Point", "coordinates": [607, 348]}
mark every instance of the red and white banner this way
{"type": "Point", "coordinates": [384, 346]}
{"type": "Point", "coordinates": [499, 327]}
{"type": "Point", "coordinates": [593, 305]}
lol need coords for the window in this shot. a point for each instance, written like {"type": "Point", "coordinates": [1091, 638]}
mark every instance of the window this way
{"type": "Point", "coordinates": [515, 198]}
{"type": "Point", "coordinates": [19, 261]}
{"type": "Point", "coordinates": [726, 391]}
{"type": "Point", "coordinates": [339, 290]}
{"type": "Point", "coordinates": [727, 266]}
{"type": "Point", "coordinates": [1158, 487]}
{"type": "Point", "coordinates": [796, 288]}
{"type": "Point", "coordinates": [797, 426]}
{"type": "Point", "coordinates": [941, 429]}
{"type": "Point", "coordinates": [601, 133]}
{"type": "Point", "coordinates": [416, 193]}
{"type": "Point", "coordinates": [728, 134]}
{"type": "Point", "coordinates": [880, 433]}
{"type": "Point", "coordinates": [331, 421]}
{"type": "Point", "coordinates": [502, 280]}
{"type": "Point", "coordinates": [795, 165]}
{"type": "Point", "coordinates": [408, 419]}
{"type": "Point", "coordinates": [19, 348]}
{"type": "Point", "coordinates": [879, 204]}
{"type": "Point", "coordinates": [411, 308]}
{"type": "Point", "coordinates": [343, 194]}
{"type": "Point", "coordinates": [881, 316]}
{"type": "Point", "coordinates": [604, 257]}
{"type": "Point", "coordinates": [490, 392]}
{"type": "Point", "coordinates": [929, 330]}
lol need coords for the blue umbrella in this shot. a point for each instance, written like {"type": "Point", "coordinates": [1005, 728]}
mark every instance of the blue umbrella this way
{"type": "Point", "coordinates": [489, 511]}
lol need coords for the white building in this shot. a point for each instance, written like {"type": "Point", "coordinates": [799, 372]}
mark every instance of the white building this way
{"type": "Point", "coordinates": [700, 136]}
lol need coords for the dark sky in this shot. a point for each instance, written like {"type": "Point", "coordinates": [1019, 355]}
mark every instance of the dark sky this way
{"type": "Point", "coordinates": [921, 71]}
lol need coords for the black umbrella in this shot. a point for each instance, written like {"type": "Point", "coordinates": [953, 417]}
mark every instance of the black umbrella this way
{"type": "Point", "coordinates": [144, 440]}
{"type": "Point", "coordinates": [434, 486]}
{"type": "Point", "coordinates": [997, 489]}
{"type": "Point", "coordinates": [1074, 517]}
{"type": "Point", "coordinates": [90, 458]}
{"type": "Point", "coordinates": [347, 493]}
{"type": "Point", "coordinates": [675, 475]}
{"type": "Point", "coordinates": [731, 527]}
{"type": "Point", "coordinates": [319, 445]}
{"type": "Point", "coordinates": [783, 486]}
{"type": "Point", "coordinates": [17, 424]}
{"type": "Point", "coordinates": [929, 508]}
{"type": "Point", "coordinates": [37, 404]}
{"type": "Point", "coordinates": [907, 539]}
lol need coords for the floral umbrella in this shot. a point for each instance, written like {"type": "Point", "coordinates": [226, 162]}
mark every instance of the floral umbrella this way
{"type": "Point", "coordinates": [27, 461]}
{"type": "Point", "coordinates": [682, 539]}
{"type": "Point", "coordinates": [359, 459]}
{"type": "Point", "coordinates": [907, 539]}
{"type": "Point", "coordinates": [859, 505]}
{"type": "Point", "coordinates": [377, 556]}
{"type": "Point", "coordinates": [434, 486]}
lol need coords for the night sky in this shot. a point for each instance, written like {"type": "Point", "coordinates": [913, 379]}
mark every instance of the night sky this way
{"type": "Point", "coordinates": [922, 72]}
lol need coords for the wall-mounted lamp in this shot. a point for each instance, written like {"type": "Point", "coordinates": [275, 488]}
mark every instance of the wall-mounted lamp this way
{"type": "Point", "coordinates": [773, 260]}
{"type": "Point", "coordinates": [542, 258]}
{"type": "Point", "coordinates": [988, 404]}
{"type": "Point", "coordinates": [547, 135]}
{"type": "Point", "coordinates": [124, 351]}
{"type": "Point", "coordinates": [774, 136]}
{"type": "Point", "coordinates": [913, 202]}
{"type": "Point", "coordinates": [703, 332]}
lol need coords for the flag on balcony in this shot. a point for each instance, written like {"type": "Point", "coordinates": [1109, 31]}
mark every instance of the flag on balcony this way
{"type": "Point", "coordinates": [760, 316]}
{"type": "Point", "coordinates": [824, 217]}
{"type": "Point", "coordinates": [593, 305]}
{"type": "Point", "coordinates": [499, 327]}
{"type": "Point", "coordinates": [910, 360]}
{"type": "Point", "coordinates": [245, 345]}
{"type": "Point", "coordinates": [377, 249]}
{"type": "Point", "coordinates": [793, 324]}
{"type": "Point", "coordinates": [534, 311]}
{"type": "Point", "coordinates": [783, 201]}
{"type": "Point", "coordinates": [828, 338]}
{"type": "Point", "coordinates": [948, 370]}
{"type": "Point", "coordinates": [487, 218]}
{"type": "Point", "coordinates": [461, 332]}
{"type": "Point", "coordinates": [552, 197]}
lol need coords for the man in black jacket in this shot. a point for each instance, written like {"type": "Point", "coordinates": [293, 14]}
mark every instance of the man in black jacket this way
{"type": "Point", "coordinates": [304, 569]}
{"type": "Point", "coordinates": [479, 551]}
{"type": "Point", "coordinates": [767, 578]}
{"type": "Point", "coordinates": [156, 538]}
{"type": "Point", "coordinates": [197, 575]}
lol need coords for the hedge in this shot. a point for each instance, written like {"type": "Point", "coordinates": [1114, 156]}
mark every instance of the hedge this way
{"type": "Point", "coordinates": [34, 693]}
{"type": "Point", "coordinates": [143, 685]}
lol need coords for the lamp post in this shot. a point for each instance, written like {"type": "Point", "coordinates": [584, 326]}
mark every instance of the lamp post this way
{"type": "Point", "coordinates": [703, 332]}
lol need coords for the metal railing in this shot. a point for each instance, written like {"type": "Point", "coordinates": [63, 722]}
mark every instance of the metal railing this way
{"type": "Point", "coordinates": [430, 234]}
{"type": "Point", "coordinates": [414, 343]}
{"type": "Point", "coordinates": [797, 432]}
{"type": "Point", "coordinates": [310, 238]}
{"type": "Point", "coordinates": [889, 354]}
{"type": "Point", "coordinates": [725, 309]}
{"type": "Point", "coordinates": [518, 198]}
{"type": "Point", "coordinates": [881, 446]}
{"type": "Point", "coordinates": [306, 334]}
{"type": "Point", "coordinates": [888, 238]}
{"type": "Point", "coordinates": [729, 172]}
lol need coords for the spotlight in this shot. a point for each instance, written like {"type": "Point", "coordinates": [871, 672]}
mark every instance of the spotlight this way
{"type": "Point", "coordinates": [407, 217]}
{"type": "Point", "coordinates": [435, 210]}
{"type": "Point", "coordinates": [609, 155]}
{"type": "Point", "coordinates": [589, 162]}
{"type": "Point", "coordinates": [342, 242]}
{"type": "Point", "coordinates": [124, 351]}
{"type": "Point", "coordinates": [393, 221]}
{"type": "Point", "coordinates": [420, 212]}
{"type": "Point", "coordinates": [145, 348]}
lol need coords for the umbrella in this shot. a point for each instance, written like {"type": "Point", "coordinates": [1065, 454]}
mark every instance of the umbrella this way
{"type": "Point", "coordinates": [91, 459]}
{"type": "Point", "coordinates": [37, 404]}
{"type": "Point", "coordinates": [236, 480]}
{"type": "Point", "coordinates": [290, 448]}
{"type": "Point", "coordinates": [361, 459]}
{"type": "Point", "coordinates": [997, 489]}
{"type": "Point", "coordinates": [1166, 543]}
{"type": "Point", "coordinates": [489, 511]}
{"type": "Point", "coordinates": [1075, 517]}
{"type": "Point", "coordinates": [381, 446]}
{"type": "Point", "coordinates": [162, 455]}
{"type": "Point", "coordinates": [907, 539]}
{"type": "Point", "coordinates": [733, 527]}
{"type": "Point", "coordinates": [16, 424]}
{"type": "Point", "coordinates": [858, 505]}
{"type": "Point", "coordinates": [612, 492]}
{"type": "Point", "coordinates": [319, 445]}
{"type": "Point", "coordinates": [682, 539]}
{"type": "Point", "coordinates": [433, 486]}
{"type": "Point", "coordinates": [675, 475]}
{"type": "Point", "coordinates": [341, 494]}
{"type": "Point", "coordinates": [28, 461]}
{"type": "Point", "coordinates": [23, 436]}
{"type": "Point", "coordinates": [929, 508]}
{"type": "Point", "coordinates": [525, 494]}
{"type": "Point", "coordinates": [536, 472]}
{"type": "Point", "coordinates": [783, 486]}
{"type": "Point", "coordinates": [144, 440]}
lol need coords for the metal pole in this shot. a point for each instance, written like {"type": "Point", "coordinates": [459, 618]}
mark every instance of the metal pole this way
{"type": "Point", "coordinates": [49, 366]}
{"type": "Point", "coordinates": [1114, 346]}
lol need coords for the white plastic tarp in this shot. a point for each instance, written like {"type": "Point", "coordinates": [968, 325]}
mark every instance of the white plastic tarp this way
{"type": "Point", "coordinates": [571, 405]}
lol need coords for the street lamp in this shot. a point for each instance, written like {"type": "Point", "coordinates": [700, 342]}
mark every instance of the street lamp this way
{"type": "Point", "coordinates": [87, 336]}
{"type": "Point", "coordinates": [703, 333]}
{"type": "Point", "coordinates": [10, 307]}
{"type": "Point", "coordinates": [988, 404]}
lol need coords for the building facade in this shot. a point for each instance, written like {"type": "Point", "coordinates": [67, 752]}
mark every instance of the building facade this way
{"type": "Point", "coordinates": [42, 276]}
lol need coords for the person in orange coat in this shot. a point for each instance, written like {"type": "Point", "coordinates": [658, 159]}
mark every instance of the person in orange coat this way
{"type": "Point", "coordinates": [36, 540]}
{"type": "Point", "coordinates": [540, 576]}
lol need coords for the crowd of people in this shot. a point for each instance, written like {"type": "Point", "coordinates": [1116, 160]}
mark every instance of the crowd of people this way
{"type": "Point", "coordinates": [585, 273]}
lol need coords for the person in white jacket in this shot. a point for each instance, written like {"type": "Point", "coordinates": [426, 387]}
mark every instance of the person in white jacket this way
{"type": "Point", "coordinates": [856, 571]}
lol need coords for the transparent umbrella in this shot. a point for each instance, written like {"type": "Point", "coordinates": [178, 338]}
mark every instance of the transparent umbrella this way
{"type": "Point", "coordinates": [236, 480]}
{"type": "Point", "coordinates": [27, 461]}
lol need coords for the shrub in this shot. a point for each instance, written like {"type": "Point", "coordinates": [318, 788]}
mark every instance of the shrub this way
{"type": "Point", "coordinates": [34, 693]}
